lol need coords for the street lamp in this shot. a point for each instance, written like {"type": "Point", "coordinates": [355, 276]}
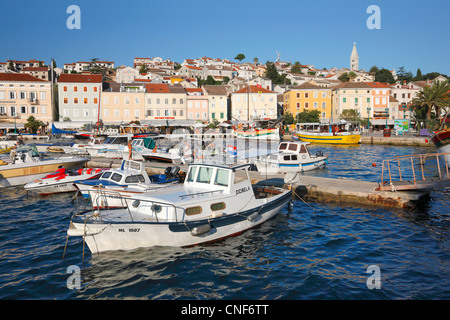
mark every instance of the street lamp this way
{"type": "Point", "coordinates": [368, 117]}
{"type": "Point", "coordinates": [404, 110]}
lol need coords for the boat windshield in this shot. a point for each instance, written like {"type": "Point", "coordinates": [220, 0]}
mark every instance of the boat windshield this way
{"type": "Point", "coordinates": [106, 175]}
{"type": "Point", "coordinates": [191, 175]}
{"type": "Point", "coordinates": [283, 146]}
{"type": "Point", "coordinates": [116, 177]}
{"type": "Point", "coordinates": [204, 175]}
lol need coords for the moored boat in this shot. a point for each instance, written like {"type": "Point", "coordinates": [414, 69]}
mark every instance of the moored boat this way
{"type": "Point", "coordinates": [292, 157]}
{"type": "Point", "coordinates": [62, 180]}
{"type": "Point", "coordinates": [342, 132]}
{"type": "Point", "coordinates": [214, 202]}
{"type": "Point", "coordinates": [441, 138]}
{"type": "Point", "coordinates": [25, 165]}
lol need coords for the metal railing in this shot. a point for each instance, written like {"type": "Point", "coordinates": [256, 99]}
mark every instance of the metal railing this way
{"type": "Point", "coordinates": [415, 172]}
{"type": "Point", "coordinates": [99, 201]}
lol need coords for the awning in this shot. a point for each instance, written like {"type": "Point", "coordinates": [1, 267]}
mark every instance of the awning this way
{"type": "Point", "coordinates": [170, 122]}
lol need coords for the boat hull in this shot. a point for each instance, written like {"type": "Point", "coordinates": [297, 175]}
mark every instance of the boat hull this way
{"type": "Point", "coordinates": [442, 142]}
{"type": "Point", "coordinates": [11, 175]}
{"type": "Point", "coordinates": [110, 236]}
{"type": "Point", "coordinates": [267, 167]}
{"type": "Point", "coordinates": [329, 138]}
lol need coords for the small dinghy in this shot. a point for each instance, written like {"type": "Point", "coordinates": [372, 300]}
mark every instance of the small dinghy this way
{"type": "Point", "coordinates": [62, 180]}
{"type": "Point", "coordinates": [214, 202]}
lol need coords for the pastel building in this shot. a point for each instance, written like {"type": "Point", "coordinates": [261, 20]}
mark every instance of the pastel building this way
{"type": "Point", "coordinates": [308, 96]}
{"type": "Point", "coordinates": [253, 102]}
{"type": "Point", "coordinates": [79, 97]}
{"type": "Point", "coordinates": [22, 95]}
{"type": "Point", "coordinates": [197, 107]}
{"type": "Point", "coordinates": [123, 103]}
{"type": "Point", "coordinates": [165, 102]}
{"type": "Point", "coordinates": [218, 101]}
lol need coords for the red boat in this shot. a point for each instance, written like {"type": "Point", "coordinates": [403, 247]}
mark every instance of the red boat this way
{"type": "Point", "coordinates": [441, 138]}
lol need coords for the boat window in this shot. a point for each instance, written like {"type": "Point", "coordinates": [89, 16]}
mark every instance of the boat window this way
{"type": "Point", "coordinates": [106, 175]}
{"type": "Point", "coordinates": [191, 175]}
{"type": "Point", "coordinates": [303, 149]}
{"type": "Point", "coordinates": [283, 146]}
{"type": "Point", "coordinates": [218, 206]}
{"type": "Point", "coordinates": [292, 147]}
{"type": "Point", "coordinates": [109, 140]}
{"type": "Point", "coordinates": [240, 175]}
{"type": "Point", "coordinates": [121, 140]}
{"type": "Point", "coordinates": [294, 157]}
{"type": "Point", "coordinates": [222, 177]}
{"type": "Point", "coordinates": [116, 177]}
{"type": "Point", "coordinates": [204, 175]}
{"type": "Point", "coordinates": [287, 158]}
{"type": "Point", "coordinates": [193, 210]}
{"type": "Point", "coordinates": [140, 178]}
{"type": "Point", "coordinates": [132, 179]}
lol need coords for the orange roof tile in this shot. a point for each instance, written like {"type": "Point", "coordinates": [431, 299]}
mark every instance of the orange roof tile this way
{"type": "Point", "coordinates": [80, 78]}
{"type": "Point", "coordinates": [254, 89]}
{"type": "Point", "coordinates": [157, 87]}
{"type": "Point", "coordinates": [19, 77]}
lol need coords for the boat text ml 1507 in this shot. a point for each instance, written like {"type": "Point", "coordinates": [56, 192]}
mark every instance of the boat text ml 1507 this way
{"type": "Point", "coordinates": [292, 157]}
{"type": "Point", "coordinates": [25, 165]}
{"type": "Point", "coordinates": [213, 203]}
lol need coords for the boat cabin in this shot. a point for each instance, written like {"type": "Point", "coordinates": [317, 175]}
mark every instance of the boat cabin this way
{"type": "Point", "coordinates": [233, 180]}
{"type": "Point", "coordinates": [121, 139]}
{"type": "Point", "coordinates": [130, 172]}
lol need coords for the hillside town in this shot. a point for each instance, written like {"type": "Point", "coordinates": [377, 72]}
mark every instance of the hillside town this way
{"type": "Point", "coordinates": [153, 91]}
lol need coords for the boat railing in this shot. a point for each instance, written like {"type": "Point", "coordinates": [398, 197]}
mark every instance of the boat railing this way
{"type": "Point", "coordinates": [97, 202]}
{"type": "Point", "coordinates": [200, 194]}
{"type": "Point", "coordinates": [412, 172]}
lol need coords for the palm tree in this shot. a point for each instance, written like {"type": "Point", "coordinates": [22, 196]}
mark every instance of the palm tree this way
{"type": "Point", "coordinates": [434, 96]}
{"type": "Point", "coordinates": [296, 67]}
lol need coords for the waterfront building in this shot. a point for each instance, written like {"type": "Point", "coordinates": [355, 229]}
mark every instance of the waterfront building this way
{"type": "Point", "coordinates": [79, 96]}
{"type": "Point", "coordinates": [253, 103]}
{"type": "Point", "coordinates": [197, 105]}
{"type": "Point", "coordinates": [404, 93]}
{"type": "Point", "coordinates": [165, 102]}
{"type": "Point", "coordinates": [123, 102]}
{"type": "Point", "coordinates": [217, 96]}
{"type": "Point", "coordinates": [38, 72]}
{"type": "Point", "coordinates": [22, 95]}
{"type": "Point", "coordinates": [308, 96]}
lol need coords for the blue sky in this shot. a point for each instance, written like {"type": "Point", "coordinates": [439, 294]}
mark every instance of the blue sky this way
{"type": "Point", "coordinates": [413, 33]}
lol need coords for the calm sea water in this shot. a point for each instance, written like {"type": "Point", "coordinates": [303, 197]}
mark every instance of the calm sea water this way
{"type": "Point", "coordinates": [315, 251]}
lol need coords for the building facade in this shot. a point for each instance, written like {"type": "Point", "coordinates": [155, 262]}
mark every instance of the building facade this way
{"type": "Point", "coordinates": [165, 102]}
{"type": "Point", "coordinates": [22, 95]}
{"type": "Point", "coordinates": [123, 103]}
{"type": "Point", "coordinates": [308, 96]}
{"type": "Point", "coordinates": [79, 97]}
{"type": "Point", "coordinates": [253, 103]}
{"type": "Point", "coordinates": [218, 101]}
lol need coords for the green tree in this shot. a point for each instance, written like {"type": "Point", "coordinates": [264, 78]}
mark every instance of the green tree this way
{"type": "Point", "coordinates": [272, 74]}
{"type": "Point", "coordinates": [350, 115]}
{"type": "Point", "coordinates": [384, 75]}
{"type": "Point", "coordinates": [308, 116]}
{"type": "Point", "coordinates": [288, 118]}
{"type": "Point", "coordinates": [296, 67]}
{"type": "Point", "coordinates": [255, 60]}
{"type": "Point", "coordinates": [374, 69]}
{"type": "Point", "coordinates": [33, 124]}
{"type": "Point", "coordinates": [142, 69]}
{"type": "Point", "coordinates": [352, 75]}
{"type": "Point", "coordinates": [418, 76]}
{"type": "Point", "coordinates": [432, 97]}
{"type": "Point", "coordinates": [240, 57]}
{"type": "Point", "coordinates": [403, 75]}
{"type": "Point", "coordinates": [344, 77]}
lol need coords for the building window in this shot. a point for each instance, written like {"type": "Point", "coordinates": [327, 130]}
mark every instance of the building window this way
{"type": "Point", "coordinates": [85, 89]}
{"type": "Point", "coordinates": [65, 88]}
{"type": "Point", "coordinates": [42, 95]}
{"type": "Point", "coordinates": [66, 100]}
{"type": "Point", "coordinates": [95, 89]}
{"type": "Point", "coordinates": [315, 104]}
{"type": "Point", "coordinates": [136, 100]}
{"type": "Point", "coordinates": [298, 105]}
{"type": "Point", "coordinates": [368, 100]}
{"type": "Point", "coordinates": [23, 95]}
{"type": "Point", "coordinates": [181, 101]}
{"type": "Point", "coordinates": [116, 113]}
{"type": "Point", "coordinates": [95, 101]}
{"type": "Point", "coordinates": [75, 89]}
{"type": "Point", "coordinates": [127, 100]}
{"type": "Point", "coordinates": [221, 115]}
{"type": "Point", "coordinates": [85, 101]}
{"type": "Point", "coordinates": [76, 113]}
{"type": "Point", "coordinates": [174, 101]}
{"type": "Point", "coordinates": [12, 95]}
{"type": "Point", "coordinates": [106, 112]}
{"type": "Point", "coordinates": [306, 105]}
{"type": "Point", "coordinates": [23, 109]}
{"type": "Point", "coordinates": [306, 95]}
{"type": "Point", "coordinates": [324, 105]}
{"type": "Point", "coordinates": [86, 112]}
{"type": "Point", "coordinates": [316, 94]}
{"type": "Point", "coordinates": [344, 100]}
{"type": "Point", "coordinates": [75, 100]}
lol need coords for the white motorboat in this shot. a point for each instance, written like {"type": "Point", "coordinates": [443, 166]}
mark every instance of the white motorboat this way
{"type": "Point", "coordinates": [62, 180]}
{"type": "Point", "coordinates": [292, 157]}
{"type": "Point", "coordinates": [25, 165]}
{"type": "Point", "coordinates": [9, 140]}
{"type": "Point", "coordinates": [128, 180]}
{"type": "Point", "coordinates": [81, 147]}
{"type": "Point", "coordinates": [166, 149]}
{"type": "Point", "coordinates": [111, 147]}
{"type": "Point", "coordinates": [214, 202]}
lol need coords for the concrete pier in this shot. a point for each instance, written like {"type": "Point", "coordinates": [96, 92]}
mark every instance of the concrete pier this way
{"type": "Point", "coordinates": [311, 188]}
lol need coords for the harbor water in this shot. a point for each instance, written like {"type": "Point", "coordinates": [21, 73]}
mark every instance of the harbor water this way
{"type": "Point", "coordinates": [314, 251]}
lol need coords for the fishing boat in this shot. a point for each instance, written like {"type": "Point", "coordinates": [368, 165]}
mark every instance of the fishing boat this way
{"type": "Point", "coordinates": [215, 202]}
{"type": "Point", "coordinates": [25, 165]}
{"type": "Point", "coordinates": [441, 138]}
{"type": "Point", "coordinates": [62, 180]}
{"type": "Point", "coordinates": [291, 157]}
{"type": "Point", "coordinates": [166, 149]}
{"type": "Point", "coordinates": [258, 134]}
{"type": "Point", "coordinates": [81, 147]}
{"type": "Point", "coordinates": [339, 132]}
{"type": "Point", "coordinates": [130, 179]}
{"type": "Point", "coordinates": [111, 147]}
